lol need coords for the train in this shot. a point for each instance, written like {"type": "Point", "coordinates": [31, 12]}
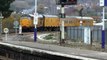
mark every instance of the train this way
{"type": "Point", "coordinates": [49, 22]}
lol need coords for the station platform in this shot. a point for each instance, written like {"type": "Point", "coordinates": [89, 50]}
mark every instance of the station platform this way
{"type": "Point", "coordinates": [60, 50]}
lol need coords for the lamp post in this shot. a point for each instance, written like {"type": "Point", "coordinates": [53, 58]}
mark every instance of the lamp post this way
{"type": "Point", "coordinates": [103, 4]}
{"type": "Point", "coordinates": [35, 22]}
{"type": "Point", "coordinates": [103, 29]}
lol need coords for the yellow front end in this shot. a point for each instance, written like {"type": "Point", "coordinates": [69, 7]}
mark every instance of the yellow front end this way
{"type": "Point", "coordinates": [25, 22]}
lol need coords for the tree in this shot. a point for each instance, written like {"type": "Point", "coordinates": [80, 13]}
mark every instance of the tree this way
{"type": "Point", "coordinates": [19, 5]}
{"type": "Point", "coordinates": [4, 7]}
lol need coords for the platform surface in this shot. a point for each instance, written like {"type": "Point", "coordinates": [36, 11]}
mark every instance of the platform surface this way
{"type": "Point", "coordinates": [65, 50]}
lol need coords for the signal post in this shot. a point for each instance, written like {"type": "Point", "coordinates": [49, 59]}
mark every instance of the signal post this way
{"type": "Point", "coordinates": [62, 30]}
{"type": "Point", "coordinates": [63, 3]}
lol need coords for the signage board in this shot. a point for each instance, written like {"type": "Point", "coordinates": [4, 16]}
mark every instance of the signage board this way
{"type": "Point", "coordinates": [35, 18]}
{"type": "Point", "coordinates": [103, 2]}
{"type": "Point", "coordinates": [16, 24]}
{"type": "Point", "coordinates": [6, 30]}
{"type": "Point", "coordinates": [16, 27]}
{"type": "Point", "coordinates": [87, 35]}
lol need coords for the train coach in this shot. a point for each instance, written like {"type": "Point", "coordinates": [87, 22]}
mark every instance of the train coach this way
{"type": "Point", "coordinates": [45, 22]}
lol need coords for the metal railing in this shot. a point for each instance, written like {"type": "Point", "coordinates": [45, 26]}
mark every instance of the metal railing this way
{"type": "Point", "coordinates": [77, 33]}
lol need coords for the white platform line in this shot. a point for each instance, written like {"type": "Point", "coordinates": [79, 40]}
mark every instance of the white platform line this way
{"type": "Point", "coordinates": [45, 51]}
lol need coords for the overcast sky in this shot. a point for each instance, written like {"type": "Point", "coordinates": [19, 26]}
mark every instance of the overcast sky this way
{"type": "Point", "coordinates": [21, 4]}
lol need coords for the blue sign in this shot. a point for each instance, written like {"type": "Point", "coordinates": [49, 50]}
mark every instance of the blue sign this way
{"type": "Point", "coordinates": [105, 2]}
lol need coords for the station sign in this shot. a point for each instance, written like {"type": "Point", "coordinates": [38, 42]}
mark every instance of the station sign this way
{"type": "Point", "coordinates": [103, 2]}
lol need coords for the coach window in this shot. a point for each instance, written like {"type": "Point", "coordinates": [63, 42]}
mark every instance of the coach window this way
{"type": "Point", "coordinates": [41, 19]}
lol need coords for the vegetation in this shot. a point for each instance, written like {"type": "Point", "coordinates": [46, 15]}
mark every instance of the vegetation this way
{"type": "Point", "coordinates": [49, 37]}
{"type": "Point", "coordinates": [4, 7]}
{"type": "Point", "coordinates": [8, 22]}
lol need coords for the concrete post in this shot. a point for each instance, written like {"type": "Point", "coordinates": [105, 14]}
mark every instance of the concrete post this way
{"type": "Point", "coordinates": [62, 30]}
